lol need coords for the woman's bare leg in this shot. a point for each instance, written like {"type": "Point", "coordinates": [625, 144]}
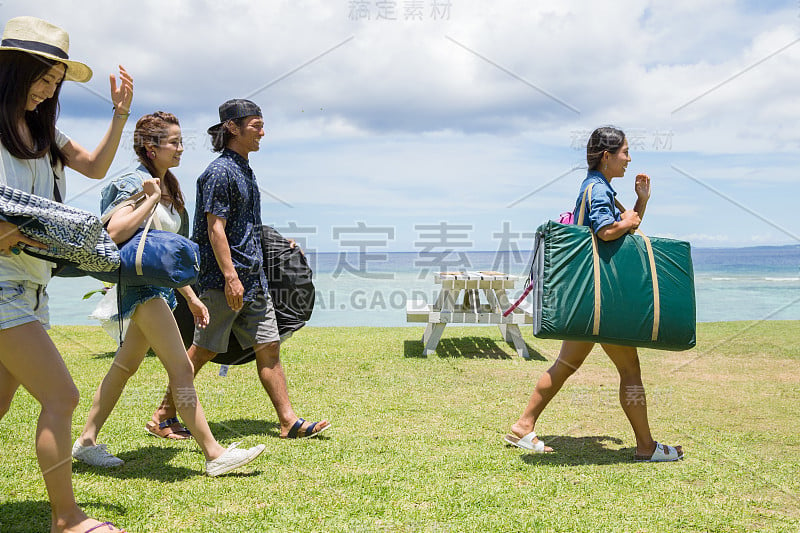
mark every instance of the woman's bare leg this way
{"type": "Point", "coordinates": [158, 326]}
{"type": "Point", "coordinates": [126, 362]}
{"type": "Point", "coordinates": [24, 351]}
{"type": "Point", "coordinates": [631, 394]}
{"type": "Point", "coordinates": [570, 358]}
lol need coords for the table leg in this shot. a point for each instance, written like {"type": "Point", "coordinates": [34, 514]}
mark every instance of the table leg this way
{"type": "Point", "coordinates": [505, 333]}
{"type": "Point", "coordinates": [471, 300]}
{"type": "Point", "coordinates": [431, 337]}
{"type": "Point", "coordinates": [439, 300]}
{"type": "Point", "coordinates": [501, 299]}
{"type": "Point", "coordinates": [512, 330]}
{"type": "Point", "coordinates": [492, 300]}
{"type": "Point", "coordinates": [447, 299]}
{"type": "Point", "coordinates": [433, 331]}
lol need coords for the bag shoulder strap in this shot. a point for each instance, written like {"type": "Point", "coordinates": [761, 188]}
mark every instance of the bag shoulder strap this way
{"type": "Point", "coordinates": [596, 269]}
{"type": "Point", "coordinates": [586, 192]}
{"type": "Point", "coordinates": [131, 201]}
{"type": "Point", "coordinates": [140, 248]}
{"type": "Point", "coordinates": [651, 260]}
{"type": "Point", "coordinates": [59, 180]}
{"type": "Point", "coordinates": [156, 220]}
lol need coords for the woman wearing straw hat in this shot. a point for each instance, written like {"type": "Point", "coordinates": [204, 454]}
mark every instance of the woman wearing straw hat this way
{"type": "Point", "coordinates": [34, 62]}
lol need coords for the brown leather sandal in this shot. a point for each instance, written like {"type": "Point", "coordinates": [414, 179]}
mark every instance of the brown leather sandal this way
{"type": "Point", "coordinates": [166, 429]}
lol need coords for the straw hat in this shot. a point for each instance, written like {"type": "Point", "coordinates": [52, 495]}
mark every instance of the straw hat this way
{"type": "Point", "coordinates": [39, 37]}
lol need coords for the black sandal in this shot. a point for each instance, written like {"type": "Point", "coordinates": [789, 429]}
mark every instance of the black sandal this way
{"type": "Point", "coordinates": [308, 432]}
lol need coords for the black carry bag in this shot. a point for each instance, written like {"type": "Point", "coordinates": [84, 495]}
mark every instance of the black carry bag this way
{"type": "Point", "coordinates": [291, 288]}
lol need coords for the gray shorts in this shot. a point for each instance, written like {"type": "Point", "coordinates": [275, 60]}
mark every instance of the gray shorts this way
{"type": "Point", "coordinates": [22, 302]}
{"type": "Point", "coordinates": [253, 324]}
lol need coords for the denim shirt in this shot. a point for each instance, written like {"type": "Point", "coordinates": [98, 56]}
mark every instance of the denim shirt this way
{"type": "Point", "coordinates": [603, 210]}
{"type": "Point", "coordinates": [228, 189]}
{"type": "Point", "coordinates": [123, 187]}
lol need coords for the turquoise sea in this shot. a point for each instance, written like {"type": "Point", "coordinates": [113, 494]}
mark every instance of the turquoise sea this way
{"type": "Point", "coordinates": [372, 289]}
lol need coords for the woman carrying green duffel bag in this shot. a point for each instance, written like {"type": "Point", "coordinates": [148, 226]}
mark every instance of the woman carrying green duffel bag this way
{"type": "Point", "coordinates": [607, 157]}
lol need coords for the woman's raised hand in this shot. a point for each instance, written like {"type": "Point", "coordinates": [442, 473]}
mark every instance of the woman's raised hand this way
{"type": "Point", "coordinates": [122, 96]}
{"type": "Point", "coordinates": [642, 186]}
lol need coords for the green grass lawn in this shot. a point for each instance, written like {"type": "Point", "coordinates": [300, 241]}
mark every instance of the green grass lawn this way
{"type": "Point", "coordinates": [416, 443]}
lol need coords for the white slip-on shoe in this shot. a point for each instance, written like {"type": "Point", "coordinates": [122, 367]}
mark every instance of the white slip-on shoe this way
{"type": "Point", "coordinates": [663, 453]}
{"type": "Point", "coordinates": [96, 455]}
{"type": "Point", "coordinates": [526, 442]}
{"type": "Point", "coordinates": [232, 458]}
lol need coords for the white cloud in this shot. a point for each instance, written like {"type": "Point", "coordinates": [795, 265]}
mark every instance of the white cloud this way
{"type": "Point", "coordinates": [438, 118]}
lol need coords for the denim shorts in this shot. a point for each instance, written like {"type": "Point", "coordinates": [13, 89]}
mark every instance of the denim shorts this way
{"type": "Point", "coordinates": [133, 296]}
{"type": "Point", "coordinates": [253, 324]}
{"type": "Point", "coordinates": [22, 302]}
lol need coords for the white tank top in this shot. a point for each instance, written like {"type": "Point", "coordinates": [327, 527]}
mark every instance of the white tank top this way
{"type": "Point", "coordinates": [169, 218]}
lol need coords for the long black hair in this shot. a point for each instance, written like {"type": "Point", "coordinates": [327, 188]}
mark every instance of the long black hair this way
{"type": "Point", "coordinates": [606, 139]}
{"type": "Point", "coordinates": [18, 72]}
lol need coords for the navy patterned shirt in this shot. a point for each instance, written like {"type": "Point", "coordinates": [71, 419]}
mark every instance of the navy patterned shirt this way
{"type": "Point", "coordinates": [228, 189]}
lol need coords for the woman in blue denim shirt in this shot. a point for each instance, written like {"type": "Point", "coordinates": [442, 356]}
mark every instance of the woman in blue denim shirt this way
{"type": "Point", "coordinates": [607, 157]}
{"type": "Point", "coordinates": [158, 145]}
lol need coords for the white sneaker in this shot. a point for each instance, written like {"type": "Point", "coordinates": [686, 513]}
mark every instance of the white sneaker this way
{"type": "Point", "coordinates": [232, 458]}
{"type": "Point", "coordinates": [96, 455]}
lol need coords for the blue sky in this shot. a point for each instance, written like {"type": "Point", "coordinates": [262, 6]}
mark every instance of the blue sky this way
{"type": "Point", "coordinates": [386, 119]}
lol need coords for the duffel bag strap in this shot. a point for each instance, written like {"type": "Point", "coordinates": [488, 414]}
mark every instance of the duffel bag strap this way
{"type": "Point", "coordinates": [653, 275]}
{"type": "Point", "coordinates": [587, 193]}
{"type": "Point", "coordinates": [140, 248]}
{"type": "Point", "coordinates": [132, 201]}
{"type": "Point", "coordinates": [597, 290]}
{"type": "Point", "coordinates": [596, 269]}
{"type": "Point", "coordinates": [656, 297]}
{"type": "Point", "coordinates": [152, 219]}
{"type": "Point", "coordinates": [529, 286]}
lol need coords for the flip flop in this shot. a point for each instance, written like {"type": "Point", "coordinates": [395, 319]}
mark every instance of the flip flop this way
{"type": "Point", "coordinates": [526, 442]}
{"type": "Point", "coordinates": [163, 429]}
{"type": "Point", "coordinates": [662, 454]}
{"type": "Point", "coordinates": [307, 432]}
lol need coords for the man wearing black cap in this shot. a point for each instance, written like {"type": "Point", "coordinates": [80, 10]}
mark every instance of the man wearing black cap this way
{"type": "Point", "coordinates": [232, 284]}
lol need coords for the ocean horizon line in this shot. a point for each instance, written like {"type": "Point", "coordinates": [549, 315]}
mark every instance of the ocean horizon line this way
{"type": "Point", "coordinates": [770, 247]}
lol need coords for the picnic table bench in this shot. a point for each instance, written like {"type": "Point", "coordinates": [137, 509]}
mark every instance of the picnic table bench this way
{"type": "Point", "coordinates": [453, 308]}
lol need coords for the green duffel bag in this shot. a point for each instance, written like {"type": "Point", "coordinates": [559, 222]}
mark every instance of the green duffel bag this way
{"type": "Point", "coordinates": [634, 291]}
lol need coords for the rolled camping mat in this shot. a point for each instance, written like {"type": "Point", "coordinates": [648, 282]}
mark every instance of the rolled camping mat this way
{"type": "Point", "coordinates": [291, 288]}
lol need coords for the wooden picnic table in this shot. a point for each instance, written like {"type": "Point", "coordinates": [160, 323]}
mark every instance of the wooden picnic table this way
{"type": "Point", "coordinates": [453, 308]}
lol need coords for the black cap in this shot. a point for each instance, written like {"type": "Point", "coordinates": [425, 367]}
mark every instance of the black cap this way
{"type": "Point", "coordinates": [233, 109]}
